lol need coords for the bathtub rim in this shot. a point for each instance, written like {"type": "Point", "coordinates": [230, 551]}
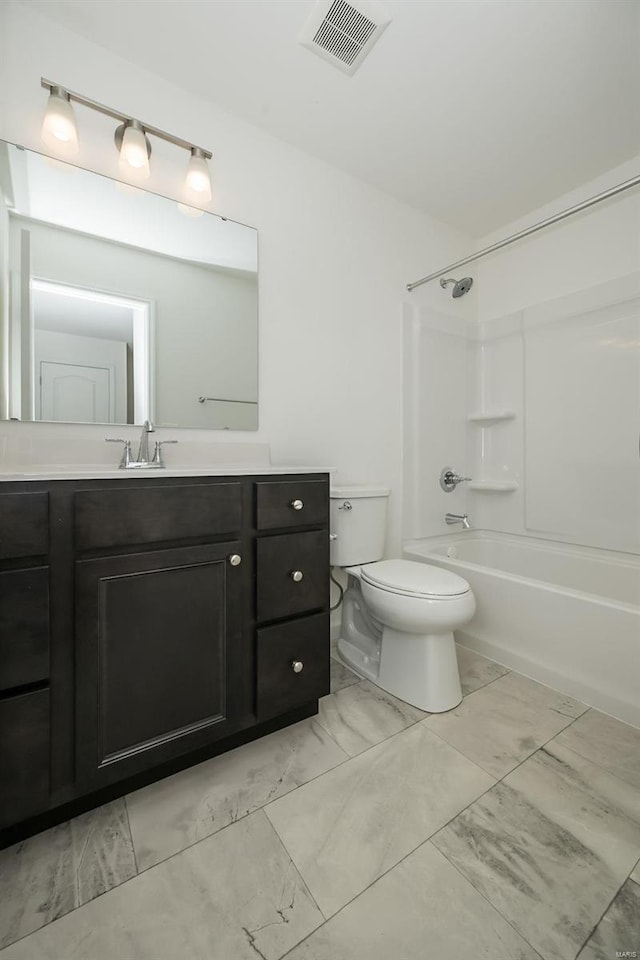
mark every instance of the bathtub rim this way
{"type": "Point", "coordinates": [417, 550]}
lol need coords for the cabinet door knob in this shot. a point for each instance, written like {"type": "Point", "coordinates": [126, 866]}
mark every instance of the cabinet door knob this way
{"type": "Point", "coordinates": [297, 504]}
{"type": "Point", "coordinates": [297, 666]}
{"type": "Point", "coordinates": [235, 559]}
{"type": "Point", "coordinates": [297, 575]}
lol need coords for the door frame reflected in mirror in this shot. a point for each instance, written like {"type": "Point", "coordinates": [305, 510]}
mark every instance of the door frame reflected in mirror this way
{"type": "Point", "coordinates": [142, 347]}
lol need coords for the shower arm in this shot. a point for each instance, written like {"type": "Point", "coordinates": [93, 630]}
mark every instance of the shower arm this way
{"type": "Point", "coordinates": [556, 218]}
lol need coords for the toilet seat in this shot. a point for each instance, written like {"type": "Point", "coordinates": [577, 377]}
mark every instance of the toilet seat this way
{"type": "Point", "coordinates": [411, 579]}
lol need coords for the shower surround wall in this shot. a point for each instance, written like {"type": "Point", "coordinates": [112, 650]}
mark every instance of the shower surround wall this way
{"type": "Point", "coordinates": [559, 326]}
{"type": "Point", "coordinates": [556, 342]}
{"type": "Point", "coordinates": [440, 367]}
{"type": "Point", "coordinates": [570, 371]}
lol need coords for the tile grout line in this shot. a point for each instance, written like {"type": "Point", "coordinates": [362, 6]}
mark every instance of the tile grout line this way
{"type": "Point", "coordinates": [249, 813]}
{"type": "Point", "coordinates": [297, 869]}
{"type": "Point", "coordinates": [500, 780]}
{"type": "Point", "coordinates": [520, 762]}
{"type": "Point", "coordinates": [406, 855]}
{"type": "Point", "coordinates": [596, 925]}
{"type": "Point", "coordinates": [595, 763]}
{"type": "Point", "coordinates": [469, 880]}
{"type": "Point", "coordinates": [141, 872]}
{"type": "Point", "coordinates": [133, 845]}
{"type": "Point", "coordinates": [314, 719]}
{"type": "Point", "coordinates": [481, 894]}
{"type": "Point", "coordinates": [348, 757]}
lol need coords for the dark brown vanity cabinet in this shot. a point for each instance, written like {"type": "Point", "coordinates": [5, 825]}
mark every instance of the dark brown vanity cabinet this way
{"type": "Point", "coordinates": [24, 655]}
{"type": "Point", "coordinates": [146, 619]}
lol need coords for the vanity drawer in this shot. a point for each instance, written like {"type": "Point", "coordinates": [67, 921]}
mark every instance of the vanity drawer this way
{"type": "Point", "coordinates": [24, 756]}
{"type": "Point", "coordinates": [24, 626]}
{"type": "Point", "coordinates": [152, 514]}
{"type": "Point", "coordinates": [302, 642]}
{"type": "Point", "coordinates": [291, 503]}
{"type": "Point", "coordinates": [24, 525]}
{"type": "Point", "coordinates": [280, 592]}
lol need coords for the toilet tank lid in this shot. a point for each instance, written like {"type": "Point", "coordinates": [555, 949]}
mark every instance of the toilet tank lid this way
{"type": "Point", "coordinates": [346, 492]}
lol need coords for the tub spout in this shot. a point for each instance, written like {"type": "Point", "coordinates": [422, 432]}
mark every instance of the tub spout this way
{"type": "Point", "coordinates": [458, 518]}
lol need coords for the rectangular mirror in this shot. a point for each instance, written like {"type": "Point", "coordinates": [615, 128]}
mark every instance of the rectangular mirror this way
{"type": "Point", "coordinates": [119, 306]}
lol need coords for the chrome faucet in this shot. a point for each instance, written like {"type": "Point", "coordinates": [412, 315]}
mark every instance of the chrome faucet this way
{"type": "Point", "coordinates": [462, 518]}
{"type": "Point", "coordinates": [142, 462]}
{"type": "Point", "coordinates": [143, 449]}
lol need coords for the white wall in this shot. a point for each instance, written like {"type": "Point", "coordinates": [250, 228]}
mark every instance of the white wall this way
{"type": "Point", "coordinates": [335, 254]}
{"type": "Point", "coordinates": [587, 249]}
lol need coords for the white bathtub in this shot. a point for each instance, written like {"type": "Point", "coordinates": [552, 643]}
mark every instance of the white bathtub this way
{"type": "Point", "coordinates": [566, 616]}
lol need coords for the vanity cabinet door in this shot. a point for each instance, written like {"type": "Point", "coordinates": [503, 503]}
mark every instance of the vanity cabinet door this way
{"type": "Point", "coordinates": [24, 756]}
{"type": "Point", "coordinates": [159, 638]}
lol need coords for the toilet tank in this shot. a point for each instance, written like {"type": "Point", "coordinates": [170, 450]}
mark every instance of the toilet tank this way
{"type": "Point", "coordinates": [358, 523]}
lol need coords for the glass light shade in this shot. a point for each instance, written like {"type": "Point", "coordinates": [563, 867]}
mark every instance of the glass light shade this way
{"type": "Point", "coordinates": [134, 158]}
{"type": "Point", "coordinates": [59, 126]}
{"type": "Point", "coordinates": [188, 211]}
{"type": "Point", "coordinates": [198, 180]}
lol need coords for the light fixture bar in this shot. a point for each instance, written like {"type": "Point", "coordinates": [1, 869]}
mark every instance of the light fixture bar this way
{"type": "Point", "coordinates": [124, 118]}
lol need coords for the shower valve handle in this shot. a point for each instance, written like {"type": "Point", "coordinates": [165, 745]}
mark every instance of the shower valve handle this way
{"type": "Point", "coordinates": [449, 479]}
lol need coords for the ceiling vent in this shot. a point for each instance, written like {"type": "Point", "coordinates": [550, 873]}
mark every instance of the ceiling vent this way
{"type": "Point", "coordinates": [343, 33]}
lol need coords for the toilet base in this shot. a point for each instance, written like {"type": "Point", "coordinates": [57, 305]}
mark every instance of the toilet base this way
{"type": "Point", "coordinates": [420, 669]}
{"type": "Point", "coordinates": [364, 666]}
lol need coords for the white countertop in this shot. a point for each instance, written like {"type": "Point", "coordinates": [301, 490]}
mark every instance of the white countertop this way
{"type": "Point", "coordinates": [100, 472]}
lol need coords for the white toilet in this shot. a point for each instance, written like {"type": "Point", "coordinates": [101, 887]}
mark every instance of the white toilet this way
{"type": "Point", "coordinates": [398, 616]}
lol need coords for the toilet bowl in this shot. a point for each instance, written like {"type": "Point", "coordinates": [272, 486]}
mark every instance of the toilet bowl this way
{"type": "Point", "coordinates": [398, 616]}
{"type": "Point", "coordinates": [417, 608]}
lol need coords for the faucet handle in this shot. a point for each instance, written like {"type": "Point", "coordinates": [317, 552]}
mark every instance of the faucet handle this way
{"type": "Point", "coordinates": [449, 479]}
{"type": "Point", "coordinates": [157, 453]}
{"type": "Point", "coordinates": [126, 453]}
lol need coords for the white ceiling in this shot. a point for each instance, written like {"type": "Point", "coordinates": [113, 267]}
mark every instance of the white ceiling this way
{"type": "Point", "coordinates": [477, 111]}
{"type": "Point", "coordinates": [81, 315]}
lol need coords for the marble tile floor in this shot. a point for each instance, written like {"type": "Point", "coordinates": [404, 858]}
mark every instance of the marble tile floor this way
{"type": "Point", "coordinates": [506, 829]}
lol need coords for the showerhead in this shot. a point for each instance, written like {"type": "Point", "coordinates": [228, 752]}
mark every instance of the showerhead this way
{"type": "Point", "coordinates": [460, 286]}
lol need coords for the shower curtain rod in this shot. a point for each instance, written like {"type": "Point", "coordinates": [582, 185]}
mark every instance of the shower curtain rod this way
{"type": "Point", "coordinates": [556, 218]}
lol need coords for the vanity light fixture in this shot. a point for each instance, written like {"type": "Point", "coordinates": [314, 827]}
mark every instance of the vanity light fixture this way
{"type": "Point", "coordinates": [131, 137]}
{"type": "Point", "coordinates": [59, 126]}
{"type": "Point", "coordinates": [135, 150]}
{"type": "Point", "coordinates": [198, 179]}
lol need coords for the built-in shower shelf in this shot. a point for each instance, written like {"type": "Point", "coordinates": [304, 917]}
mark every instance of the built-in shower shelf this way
{"type": "Point", "coordinates": [491, 416]}
{"type": "Point", "coordinates": [493, 486]}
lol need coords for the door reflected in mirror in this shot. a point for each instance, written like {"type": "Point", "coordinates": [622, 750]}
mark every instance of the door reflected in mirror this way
{"type": "Point", "coordinates": [118, 308]}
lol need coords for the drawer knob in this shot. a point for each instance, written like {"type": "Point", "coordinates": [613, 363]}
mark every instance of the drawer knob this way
{"type": "Point", "coordinates": [297, 666]}
{"type": "Point", "coordinates": [297, 504]}
{"type": "Point", "coordinates": [235, 559]}
{"type": "Point", "coordinates": [297, 575]}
